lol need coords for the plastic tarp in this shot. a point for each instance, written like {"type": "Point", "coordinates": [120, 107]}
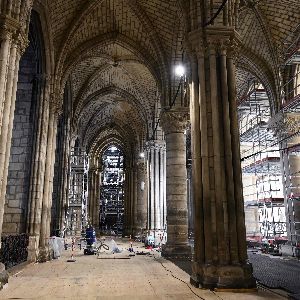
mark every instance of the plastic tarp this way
{"type": "Point", "coordinates": [57, 244]}
{"type": "Point", "coordinates": [113, 247]}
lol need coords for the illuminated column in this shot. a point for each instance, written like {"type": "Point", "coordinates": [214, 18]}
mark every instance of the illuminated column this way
{"type": "Point", "coordinates": [155, 151]}
{"type": "Point", "coordinates": [220, 253]}
{"type": "Point", "coordinates": [174, 123]}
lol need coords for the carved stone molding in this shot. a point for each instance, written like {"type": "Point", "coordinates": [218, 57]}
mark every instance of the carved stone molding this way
{"type": "Point", "coordinates": [155, 144]}
{"type": "Point", "coordinates": [219, 39]}
{"type": "Point", "coordinates": [175, 120]}
{"type": "Point", "coordinates": [14, 22]}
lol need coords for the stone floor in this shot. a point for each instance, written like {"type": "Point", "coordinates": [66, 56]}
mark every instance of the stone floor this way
{"type": "Point", "coordinates": [140, 277]}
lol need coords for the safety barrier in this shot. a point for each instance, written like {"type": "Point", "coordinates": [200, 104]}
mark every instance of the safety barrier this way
{"type": "Point", "coordinates": [14, 249]}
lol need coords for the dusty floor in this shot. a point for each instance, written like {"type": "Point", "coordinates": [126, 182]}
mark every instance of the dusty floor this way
{"type": "Point", "coordinates": [140, 277]}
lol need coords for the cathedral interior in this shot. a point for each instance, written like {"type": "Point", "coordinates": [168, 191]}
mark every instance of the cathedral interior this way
{"type": "Point", "coordinates": [175, 119]}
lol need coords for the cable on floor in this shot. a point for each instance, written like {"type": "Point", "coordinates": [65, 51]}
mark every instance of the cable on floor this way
{"type": "Point", "coordinates": [178, 278]}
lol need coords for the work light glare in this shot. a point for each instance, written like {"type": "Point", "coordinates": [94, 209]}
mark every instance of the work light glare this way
{"type": "Point", "coordinates": [179, 70]}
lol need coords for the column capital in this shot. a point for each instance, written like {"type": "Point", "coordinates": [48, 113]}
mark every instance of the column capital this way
{"type": "Point", "coordinates": [155, 144]}
{"type": "Point", "coordinates": [174, 120]}
{"type": "Point", "coordinates": [14, 22]}
{"type": "Point", "coordinates": [284, 124]}
{"type": "Point", "coordinates": [219, 39]}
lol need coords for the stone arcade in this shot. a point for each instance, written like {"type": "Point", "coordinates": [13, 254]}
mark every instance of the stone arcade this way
{"type": "Point", "coordinates": [78, 78]}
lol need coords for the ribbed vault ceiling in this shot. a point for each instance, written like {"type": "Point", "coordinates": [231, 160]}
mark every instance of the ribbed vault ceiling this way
{"type": "Point", "coordinates": [118, 56]}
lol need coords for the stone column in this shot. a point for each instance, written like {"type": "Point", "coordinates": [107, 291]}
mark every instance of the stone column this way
{"type": "Point", "coordinates": [134, 192]}
{"type": "Point", "coordinates": [7, 126]}
{"type": "Point", "coordinates": [97, 185]}
{"type": "Point", "coordinates": [94, 187]}
{"type": "Point", "coordinates": [220, 256]}
{"type": "Point", "coordinates": [130, 200]}
{"type": "Point", "coordinates": [47, 188]}
{"type": "Point", "coordinates": [156, 151]}
{"type": "Point", "coordinates": [51, 178]}
{"type": "Point", "coordinates": [13, 41]}
{"type": "Point", "coordinates": [127, 201]}
{"type": "Point", "coordinates": [37, 179]}
{"type": "Point", "coordinates": [5, 66]}
{"type": "Point", "coordinates": [91, 190]}
{"type": "Point", "coordinates": [142, 187]}
{"type": "Point", "coordinates": [174, 123]}
{"type": "Point", "coordinates": [15, 16]}
{"type": "Point", "coordinates": [64, 164]}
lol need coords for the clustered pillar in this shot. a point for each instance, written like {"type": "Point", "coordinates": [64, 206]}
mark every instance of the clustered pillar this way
{"type": "Point", "coordinates": [129, 195]}
{"type": "Point", "coordinates": [141, 206]}
{"type": "Point", "coordinates": [156, 165]}
{"type": "Point", "coordinates": [48, 187]}
{"type": "Point", "coordinates": [220, 256]}
{"type": "Point", "coordinates": [174, 123]}
{"type": "Point", "coordinates": [94, 192]}
{"type": "Point", "coordinates": [42, 170]}
{"type": "Point", "coordinates": [13, 41]}
{"type": "Point", "coordinates": [15, 16]}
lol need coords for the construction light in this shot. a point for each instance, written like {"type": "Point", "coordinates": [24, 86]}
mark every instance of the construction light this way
{"type": "Point", "coordinates": [179, 70]}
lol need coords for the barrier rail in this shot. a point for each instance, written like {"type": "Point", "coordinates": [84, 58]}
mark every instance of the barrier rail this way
{"type": "Point", "coordinates": [14, 249]}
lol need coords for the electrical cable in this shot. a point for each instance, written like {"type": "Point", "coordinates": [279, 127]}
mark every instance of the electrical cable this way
{"type": "Point", "coordinates": [172, 104]}
{"type": "Point", "coordinates": [178, 278]}
{"type": "Point", "coordinates": [217, 295]}
{"type": "Point", "coordinates": [216, 14]}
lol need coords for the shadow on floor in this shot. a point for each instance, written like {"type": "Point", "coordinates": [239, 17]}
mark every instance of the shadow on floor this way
{"type": "Point", "coordinates": [183, 264]}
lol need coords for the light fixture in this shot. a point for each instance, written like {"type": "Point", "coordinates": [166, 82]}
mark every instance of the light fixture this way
{"type": "Point", "coordinates": [142, 155]}
{"type": "Point", "coordinates": [179, 70]}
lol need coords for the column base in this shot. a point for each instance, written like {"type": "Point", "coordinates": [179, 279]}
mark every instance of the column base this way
{"type": "Point", "coordinates": [33, 250]}
{"type": "Point", "coordinates": [3, 276]}
{"type": "Point", "coordinates": [223, 277]}
{"type": "Point", "coordinates": [44, 254]}
{"type": "Point", "coordinates": [181, 251]}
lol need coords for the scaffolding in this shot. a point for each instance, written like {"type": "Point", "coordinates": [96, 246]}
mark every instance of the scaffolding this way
{"type": "Point", "coordinates": [112, 191]}
{"type": "Point", "coordinates": [261, 167]}
{"type": "Point", "coordinates": [76, 210]}
{"type": "Point", "coordinates": [290, 108]}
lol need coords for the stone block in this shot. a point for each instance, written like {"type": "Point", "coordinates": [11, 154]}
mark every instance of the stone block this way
{"type": "Point", "coordinates": [7, 218]}
{"type": "Point", "coordinates": [8, 228]}
{"type": "Point", "coordinates": [16, 218]}
{"type": "Point", "coordinates": [11, 189]}
{"type": "Point", "coordinates": [16, 142]}
{"type": "Point", "coordinates": [14, 203]}
{"type": "Point", "coordinates": [12, 210]}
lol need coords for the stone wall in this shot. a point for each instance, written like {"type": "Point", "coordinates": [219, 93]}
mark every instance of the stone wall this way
{"type": "Point", "coordinates": [18, 181]}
